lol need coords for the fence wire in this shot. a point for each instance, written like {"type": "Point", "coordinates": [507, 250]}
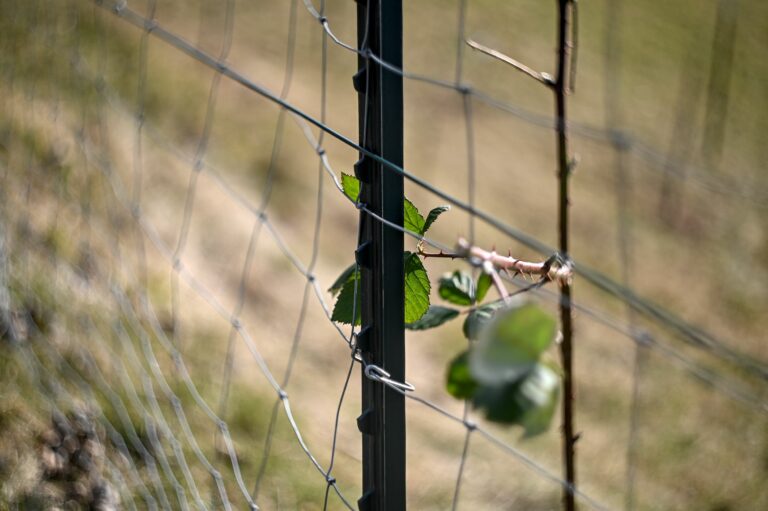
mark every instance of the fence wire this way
{"type": "Point", "coordinates": [135, 376]}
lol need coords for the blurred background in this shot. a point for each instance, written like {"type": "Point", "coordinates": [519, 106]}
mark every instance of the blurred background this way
{"type": "Point", "coordinates": [120, 154]}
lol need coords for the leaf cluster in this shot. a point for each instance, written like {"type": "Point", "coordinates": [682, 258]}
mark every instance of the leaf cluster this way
{"type": "Point", "coordinates": [416, 281]}
{"type": "Point", "coordinates": [503, 372]}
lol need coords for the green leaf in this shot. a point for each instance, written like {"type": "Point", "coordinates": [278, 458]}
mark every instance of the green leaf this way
{"type": "Point", "coordinates": [342, 311]}
{"type": "Point", "coordinates": [459, 382]}
{"type": "Point", "coordinates": [435, 316]}
{"type": "Point", "coordinates": [457, 288]}
{"type": "Point", "coordinates": [417, 288]}
{"type": "Point", "coordinates": [351, 186]}
{"type": "Point", "coordinates": [343, 278]}
{"type": "Point", "coordinates": [484, 282]}
{"type": "Point", "coordinates": [529, 402]}
{"type": "Point", "coordinates": [511, 345]}
{"type": "Point", "coordinates": [412, 219]}
{"type": "Point", "coordinates": [432, 216]}
{"type": "Point", "coordinates": [480, 318]}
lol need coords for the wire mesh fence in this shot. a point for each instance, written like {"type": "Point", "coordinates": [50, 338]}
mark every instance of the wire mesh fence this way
{"type": "Point", "coordinates": [173, 216]}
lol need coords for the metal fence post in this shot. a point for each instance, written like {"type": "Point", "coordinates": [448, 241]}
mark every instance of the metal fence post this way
{"type": "Point", "coordinates": [380, 254]}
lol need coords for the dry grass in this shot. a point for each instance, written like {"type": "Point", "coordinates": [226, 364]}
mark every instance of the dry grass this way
{"type": "Point", "coordinates": [696, 449]}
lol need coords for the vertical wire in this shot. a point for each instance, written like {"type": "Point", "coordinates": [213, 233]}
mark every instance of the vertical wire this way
{"type": "Point", "coordinates": [357, 279]}
{"type": "Point", "coordinates": [125, 490]}
{"type": "Point", "coordinates": [160, 424]}
{"type": "Point", "coordinates": [323, 107]}
{"type": "Point", "coordinates": [85, 264]}
{"type": "Point", "coordinates": [336, 424]}
{"type": "Point", "coordinates": [148, 458]}
{"type": "Point", "coordinates": [202, 146]}
{"type": "Point", "coordinates": [130, 314]}
{"type": "Point", "coordinates": [466, 99]}
{"type": "Point", "coordinates": [138, 153]}
{"type": "Point", "coordinates": [30, 96]}
{"type": "Point", "coordinates": [111, 214]}
{"type": "Point", "coordinates": [149, 389]}
{"type": "Point", "coordinates": [259, 220]}
{"type": "Point", "coordinates": [61, 362]}
{"type": "Point", "coordinates": [55, 120]}
{"type": "Point", "coordinates": [265, 199]}
{"type": "Point", "coordinates": [135, 205]}
{"type": "Point", "coordinates": [54, 113]}
{"type": "Point", "coordinates": [151, 426]}
{"type": "Point", "coordinates": [462, 462]}
{"type": "Point", "coordinates": [123, 415]}
{"type": "Point", "coordinates": [315, 246]}
{"type": "Point", "coordinates": [471, 170]}
{"type": "Point", "coordinates": [308, 285]}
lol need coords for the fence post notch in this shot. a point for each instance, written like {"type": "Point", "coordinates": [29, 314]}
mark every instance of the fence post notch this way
{"type": "Point", "coordinates": [380, 106]}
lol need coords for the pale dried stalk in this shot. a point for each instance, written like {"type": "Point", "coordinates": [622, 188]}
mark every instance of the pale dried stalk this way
{"type": "Point", "coordinates": [540, 77]}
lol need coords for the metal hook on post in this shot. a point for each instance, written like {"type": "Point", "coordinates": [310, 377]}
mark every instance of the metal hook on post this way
{"type": "Point", "coordinates": [376, 373]}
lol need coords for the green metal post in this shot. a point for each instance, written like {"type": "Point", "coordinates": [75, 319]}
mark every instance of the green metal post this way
{"type": "Point", "coordinates": [382, 337]}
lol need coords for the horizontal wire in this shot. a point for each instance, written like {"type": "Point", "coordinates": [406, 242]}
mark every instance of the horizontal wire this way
{"type": "Point", "coordinates": [531, 463]}
{"type": "Point", "coordinates": [399, 388]}
{"type": "Point", "coordinates": [516, 453]}
{"type": "Point", "coordinates": [602, 317]}
{"type": "Point", "coordinates": [659, 161]}
{"type": "Point", "coordinates": [691, 334]}
{"type": "Point", "coordinates": [644, 338]}
{"type": "Point", "coordinates": [701, 373]}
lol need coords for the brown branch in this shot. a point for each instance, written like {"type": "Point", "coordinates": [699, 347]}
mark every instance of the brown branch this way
{"type": "Point", "coordinates": [446, 255]}
{"type": "Point", "coordinates": [560, 89]}
{"type": "Point", "coordinates": [544, 78]}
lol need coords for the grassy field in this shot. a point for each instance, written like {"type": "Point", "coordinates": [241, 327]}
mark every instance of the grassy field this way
{"type": "Point", "coordinates": [693, 228]}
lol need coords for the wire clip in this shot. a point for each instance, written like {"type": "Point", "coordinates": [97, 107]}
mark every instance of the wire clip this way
{"type": "Point", "coordinates": [376, 373]}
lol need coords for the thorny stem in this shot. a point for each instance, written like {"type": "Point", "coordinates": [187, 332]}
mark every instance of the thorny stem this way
{"type": "Point", "coordinates": [561, 273]}
{"type": "Point", "coordinates": [446, 255]}
{"type": "Point", "coordinates": [560, 86]}
{"type": "Point", "coordinates": [565, 12]}
{"type": "Point", "coordinates": [548, 270]}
